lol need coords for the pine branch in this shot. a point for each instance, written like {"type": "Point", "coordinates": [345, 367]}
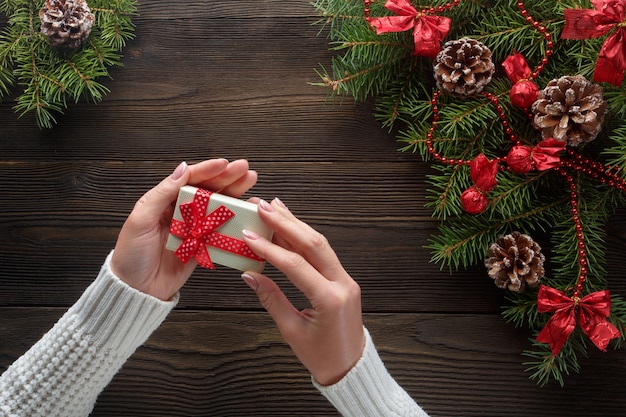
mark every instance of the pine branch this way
{"type": "Point", "coordinates": [49, 77]}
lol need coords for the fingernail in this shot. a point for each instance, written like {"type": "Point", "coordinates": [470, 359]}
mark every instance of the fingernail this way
{"type": "Point", "coordinates": [266, 206]}
{"type": "Point", "coordinates": [179, 171]}
{"type": "Point", "coordinates": [280, 203]}
{"type": "Point", "coordinates": [250, 281]}
{"type": "Point", "coordinates": [250, 234]}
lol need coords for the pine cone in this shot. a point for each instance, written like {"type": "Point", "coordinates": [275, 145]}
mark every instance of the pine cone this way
{"type": "Point", "coordinates": [66, 23]}
{"type": "Point", "coordinates": [515, 261]}
{"type": "Point", "coordinates": [463, 67]}
{"type": "Point", "coordinates": [570, 109]}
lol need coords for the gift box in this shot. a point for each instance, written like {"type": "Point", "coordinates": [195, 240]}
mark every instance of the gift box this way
{"type": "Point", "coordinates": [208, 226]}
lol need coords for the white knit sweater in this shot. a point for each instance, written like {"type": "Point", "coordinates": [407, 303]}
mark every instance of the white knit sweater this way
{"type": "Point", "coordinates": [63, 373]}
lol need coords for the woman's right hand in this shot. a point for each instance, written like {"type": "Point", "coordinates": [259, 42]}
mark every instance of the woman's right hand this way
{"type": "Point", "coordinates": [328, 337]}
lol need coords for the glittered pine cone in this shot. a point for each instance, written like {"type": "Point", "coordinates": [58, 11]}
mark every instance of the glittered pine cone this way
{"type": "Point", "coordinates": [570, 109]}
{"type": "Point", "coordinates": [463, 67]}
{"type": "Point", "coordinates": [66, 23]}
{"type": "Point", "coordinates": [515, 262]}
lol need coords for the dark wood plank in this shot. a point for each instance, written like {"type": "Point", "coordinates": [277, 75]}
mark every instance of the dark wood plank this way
{"type": "Point", "coordinates": [232, 79]}
{"type": "Point", "coordinates": [376, 223]}
{"type": "Point", "coordinates": [232, 364]}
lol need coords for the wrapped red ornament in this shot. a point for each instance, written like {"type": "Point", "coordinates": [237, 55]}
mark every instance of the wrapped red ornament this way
{"type": "Point", "coordinates": [523, 94]}
{"type": "Point", "coordinates": [483, 171]}
{"type": "Point", "coordinates": [474, 201]}
{"type": "Point", "coordinates": [524, 91]}
{"type": "Point", "coordinates": [543, 156]}
{"type": "Point", "coordinates": [208, 227]}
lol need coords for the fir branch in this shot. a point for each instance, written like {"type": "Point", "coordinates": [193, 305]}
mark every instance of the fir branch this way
{"type": "Point", "coordinates": [545, 367]}
{"type": "Point", "coordinates": [463, 242]}
{"type": "Point", "coordinates": [47, 76]}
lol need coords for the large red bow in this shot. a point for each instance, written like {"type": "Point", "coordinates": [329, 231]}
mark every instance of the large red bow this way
{"type": "Point", "coordinates": [483, 172]}
{"type": "Point", "coordinates": [428, 31]}
{"type": "Point", "coordinates": [198, 230]}
{"type": "Point", "coordinates": [588, 23]}
{"type": "Point", "coordinates": [591, 310]}
{"type": "Point", "coordinates": [543, 156]}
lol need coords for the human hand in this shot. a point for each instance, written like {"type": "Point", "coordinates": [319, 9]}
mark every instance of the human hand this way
{"type": "Point", "coordinates": [328, 337]}
{"type": "Point", "coordinates": [140, 258]}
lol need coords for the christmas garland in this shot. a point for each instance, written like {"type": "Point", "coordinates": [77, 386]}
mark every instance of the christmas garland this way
{"type": "Point", "coordinates": [519, 107]}
{"type": "Point", "coordinates": [57, 50]}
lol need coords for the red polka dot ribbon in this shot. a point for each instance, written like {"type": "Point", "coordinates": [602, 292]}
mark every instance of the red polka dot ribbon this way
{"type": "Point", "coordinates": [198, 230]}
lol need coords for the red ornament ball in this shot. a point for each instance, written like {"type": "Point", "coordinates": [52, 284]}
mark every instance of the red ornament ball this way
{"type": "Point", "coordinates": [474, 201]}
{"type": "Point", "coordinates": [519, 159]}
{"type": "Point", "coordinates": [523, 94]}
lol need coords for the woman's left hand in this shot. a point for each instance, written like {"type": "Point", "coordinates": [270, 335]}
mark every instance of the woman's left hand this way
{"type": "Point", "coordinates": [140, 258]}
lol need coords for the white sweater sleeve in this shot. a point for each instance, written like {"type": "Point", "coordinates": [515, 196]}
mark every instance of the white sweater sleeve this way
{"type": "Point", "coordinates": [63, 373]}
{"type": "Point", "coordinates": [368, 390]}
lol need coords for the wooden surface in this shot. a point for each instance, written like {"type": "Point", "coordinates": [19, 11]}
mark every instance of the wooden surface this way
{"type": "Point", "coordinates": [230, 79]}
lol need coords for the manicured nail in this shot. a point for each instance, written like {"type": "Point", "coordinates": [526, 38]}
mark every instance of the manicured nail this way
{"type": "Point", "coordinates": [280, 203]}
{"type": "Point", "coordinates": [250, 234]}
{"type": "Point", "coordinates": [266, 206]}
{"type": "Point", "coordinates": [179, 171]}
{"type": "Point", "coordinates": [252, 283]}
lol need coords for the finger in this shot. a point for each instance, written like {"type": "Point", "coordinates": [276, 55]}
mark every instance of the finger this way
{"type": "Point", "coordinates": [242, 185]}
{"type": "Point", "coordinates": [206, 170]}
{"type": "Point", "coordinates": [302, 274]}
{"type": "Point", "coordinates": [151, 206]}
{"type": "Point", "coordinates": [302, 238]}
{"type": "Point", "coordinates": [231, 173]}
{"type": "Point", "coordinates": [274, 301]}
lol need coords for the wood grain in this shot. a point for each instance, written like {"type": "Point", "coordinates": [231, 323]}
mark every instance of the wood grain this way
{"type": "Point", "coordinates": [233, 79]}
{"type": "Point", "coordinates": [211, 363]}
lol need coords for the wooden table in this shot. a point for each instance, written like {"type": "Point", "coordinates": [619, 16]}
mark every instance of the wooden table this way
{"type": "Point", "coordinates": [231, 79]}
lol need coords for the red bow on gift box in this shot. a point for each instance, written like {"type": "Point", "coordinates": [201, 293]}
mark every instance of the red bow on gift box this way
{"type": "Point", "coordinates": [198, 230]}
{"type": "Point", "coordinates": [545, 155]}
{"type": "Point", "coordinates": [591, 312]}
{"type": "Point", "coordinates": [428, 31]}
{"type": "Point", "coordinates": [587, 23]}
{"type": "Point", "coordinates": [483, 172]}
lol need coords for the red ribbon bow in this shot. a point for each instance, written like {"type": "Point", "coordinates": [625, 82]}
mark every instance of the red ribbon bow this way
{"type": "Point", "coordinates": [428, 31]}
{"type": "Point", "coordinates": [198, 230]}
{"type": "Point", "coordinates": [483, 172]}
{"type": "Point", "coordinates": [543, 156]}
{"type": "Point", "coordinates": [524, 92]}
{"type": "Point", "coordinates": [588, 23]}
{"type": "Point", "coordinates": [591, 312]}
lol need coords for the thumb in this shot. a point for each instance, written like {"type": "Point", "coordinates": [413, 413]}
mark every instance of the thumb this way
{"type": "Point", "coordinates": [272, 299]}
{"type": "Point", "coordinates": [153, 203]}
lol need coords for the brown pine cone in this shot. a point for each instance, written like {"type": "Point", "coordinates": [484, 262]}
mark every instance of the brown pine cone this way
{"type": "Point", "coordinates": [570, 109]}
{"type": "Point", "coordinates": [66, 23]}
{"type": "Point", "coordinates": [463, 67]}
{"type": "Point", "coordinates": [515, 261]}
